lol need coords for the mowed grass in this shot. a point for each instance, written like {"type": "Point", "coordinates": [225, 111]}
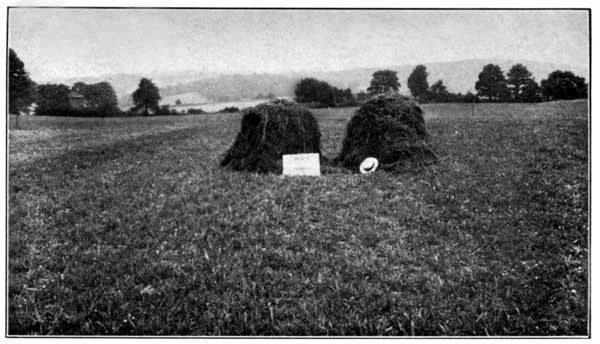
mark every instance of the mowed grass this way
{"type": "Point", "coordinates": [131, 228]}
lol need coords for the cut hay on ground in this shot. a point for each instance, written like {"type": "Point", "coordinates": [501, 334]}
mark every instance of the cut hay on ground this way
{"type": "Point", "coordinates": [270, 130]}
{"type": "Point", "coordinates": [390, 128]}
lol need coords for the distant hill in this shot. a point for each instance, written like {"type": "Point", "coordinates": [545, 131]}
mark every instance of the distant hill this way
{"type": "Point", "coordinates": [194, 87]}
{"type": "Point", "coordinates": [226, 88]}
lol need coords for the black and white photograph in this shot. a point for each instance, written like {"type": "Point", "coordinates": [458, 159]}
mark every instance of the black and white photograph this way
{"type": "Point", "coordinates": [297, 172]}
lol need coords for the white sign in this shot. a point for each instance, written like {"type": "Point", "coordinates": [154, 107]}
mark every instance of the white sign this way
{"type": "Point", "coordinates": [301, 164]}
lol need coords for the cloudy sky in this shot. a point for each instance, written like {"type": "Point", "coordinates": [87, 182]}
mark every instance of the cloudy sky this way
{"type": "Point", "coordinates": [62, 43]}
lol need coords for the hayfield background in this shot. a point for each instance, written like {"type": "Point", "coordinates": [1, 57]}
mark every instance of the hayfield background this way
{"type": "Point", "coordinates": [128, 226]}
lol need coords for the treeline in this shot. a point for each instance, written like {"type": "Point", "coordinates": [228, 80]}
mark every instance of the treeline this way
{"type": "Point", "coordinates": [94, 100]}
{"type": "Point", "coordinates": [84, 100]}
{"type": "Point", "coordinates": [100, 100]}
{"type": "Point", "coordinates": [320, 94]}
{"type": "Point", "coordinates": [79, 100]}
{"type": "Point", "coordinates": [492, 86]}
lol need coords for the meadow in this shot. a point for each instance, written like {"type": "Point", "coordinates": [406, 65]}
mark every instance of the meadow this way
{"type": "Point", "coordinates": [127, 226]}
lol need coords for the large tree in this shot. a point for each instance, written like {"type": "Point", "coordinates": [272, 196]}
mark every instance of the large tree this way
{"type": "Point", "coordinates": [384, 81]}
{"type": "Point", "coordinates": [146, 96]}
{"type": "Point", "coordinates": [100, 97]}
{"type": "Point", "coordinates": [417, 82]}
{"type": "Point", "coordinates": [311, 90]}
{"type": "Point", "coordinates": [20, 86]}
{"type": "Point", "coordinates": [52, 99]}
{"type": "Point", "coordinates": [564, 85]}
{"type": "Point", "coordinates": [520, 83]}
{"type": "Point", "coordinates": [492, 83]}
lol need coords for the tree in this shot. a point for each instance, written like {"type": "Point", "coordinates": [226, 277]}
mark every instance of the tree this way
{"type": "Point", "coordinates": [178, 102]}
{"type": "Point", "coordinates": [52, 99]}
{"type": "Point", "coordinates": [470, 98]}
{"type": "Point", "coordinates": [519, 78]}
{"type": "Point", "coordinates": [439, 92]}
{"type": "Point", "coordinates": [79, 87]}
{"type": "Point", "coordinates": [104, 97]}
{"type": "Point", "coordinates": [341, 97]}
{"type": "Point", "coordinates": [362, 96]}
{"type": "Point", "coordinates": [564, 85]}
{"type": "Point", "coordinates": [417, 82]}
{"type": "Point", "coordinates": [146, 96]}
{"type": "Point", "coordinates": [531, 92]}
{"type": "Point", "coordinates": [20, 87]}
{"type": "Point", "coordinates": [384, 81]}
{"type": "Point", "coordinates": [163, 111]}
{"type": "Point", "coordinates": [100, 97]}
{"type": "Point", "coordinates": [310, 90]}
{"type": "Point", "coordinates": [492, 84]}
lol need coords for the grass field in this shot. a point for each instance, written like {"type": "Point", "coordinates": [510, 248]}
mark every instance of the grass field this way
{"type": "Point", "coordinates": [128, 226]}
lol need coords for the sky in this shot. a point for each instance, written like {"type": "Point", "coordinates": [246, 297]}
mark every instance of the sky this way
{"type": "Point", "coordinates": [64, 43]}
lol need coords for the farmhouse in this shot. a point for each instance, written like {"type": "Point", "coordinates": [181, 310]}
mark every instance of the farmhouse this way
{"type": "Point", "coordinates": [77, 101]}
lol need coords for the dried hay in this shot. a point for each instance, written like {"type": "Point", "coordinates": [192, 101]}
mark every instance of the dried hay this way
{"type": "Point", "coordinates": [270, 130]}
{"type": "Point", "coordinates": [390, 128]}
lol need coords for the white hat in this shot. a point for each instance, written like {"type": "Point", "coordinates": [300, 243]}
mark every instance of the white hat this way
{"type": "Point", "coordinates": [369, 165]}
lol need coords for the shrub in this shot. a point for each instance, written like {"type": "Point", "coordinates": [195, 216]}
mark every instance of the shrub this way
{"type": "Point", "coordinates": [230, 109]}
{"type": "Point", "coordinates": [390, 128]}
{"type": "Point", "coordinates": [192, 111]}
{"type": "Point", "coordinates": [68, 111]}
{"type": "Point", "coordinates": [470, 98]}
{"type": "Point", "coordinates": [163, 111]}
{"type": "Point", "coordinates": [270, 130]}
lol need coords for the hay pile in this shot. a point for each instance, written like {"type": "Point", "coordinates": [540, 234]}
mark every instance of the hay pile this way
{"type": "Point", "coordinates": [390, 128]}
{"type": "Point", "coordinates": [270, 130]}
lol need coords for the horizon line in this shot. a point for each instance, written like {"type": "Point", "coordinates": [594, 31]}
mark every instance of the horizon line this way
{"type": "Point", "coordinates": [248, 72]}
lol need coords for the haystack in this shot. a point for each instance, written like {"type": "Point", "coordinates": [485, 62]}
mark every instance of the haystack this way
{"type": "Point", "coordinates": [270, 130]}
{"type": "Point", "coordinates": [390, 128]}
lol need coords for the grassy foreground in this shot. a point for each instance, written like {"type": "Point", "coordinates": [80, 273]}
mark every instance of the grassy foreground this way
{"type": "Point", "coordinates": [128, 226]}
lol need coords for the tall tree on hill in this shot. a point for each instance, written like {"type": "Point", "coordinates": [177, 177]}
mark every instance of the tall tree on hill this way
{"type": "Point", "coordinates": [492, 84]}
{"type": "Point", "coordinates": [564, 85]}
{"type": "Point", "coordinates": [20, 86]}
{"type": "Point", "coordinates": [417, 82]}
{"type": "Point", "coordinates": [146, 96]}
{"type": "Point", "coordinates": [384, 81]}
{"type": "Point", "coordinates": [520, 83]}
